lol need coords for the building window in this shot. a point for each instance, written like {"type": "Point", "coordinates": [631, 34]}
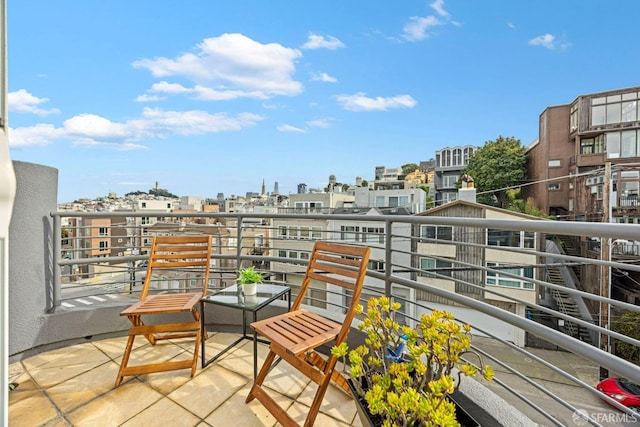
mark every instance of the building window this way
{"type": "Point", "coordinates": [438, 232]}
{"type": "Point", "coordinates": [450, 181]}
{"type": "Point", "coordinates": [497, 279]}
{"type": "Point", "coordinates": [592, 145]}
{"type": "Point", "coordinates": [457, 157]}
{"type": "Point", "coordinates": [628, 143]}
{"type": "Point", "coordinates": [553, 187]}
{"type": "Point", "coordinates": [103, 231]}
{"type": "Point", "coordinates": [103, 245]}
{"type": "Point", "coordinates": [554, 163]}
{"type": "Point", "coordinates": [573, 122]}
{"type": "Point", "coordinates": [446, 158]}
{"type": "Point", "coordinates": [304, 233]}
{"type": "Point", "coordinates": [430, 267]}
{"type": "Point", "coordinates": [448, 197]}
{"type": "Point", "coordinates": [349, 233]}
{"type": "Point", "coordinates": [316, 233]}
{"type": "Point", "coordinates": [145, 220]}
{"type": "Point", "coordinates": [467, 155]}
{"type": "Point", "coordinates": [373, 234]}
{"type": "Point", "coordinates": [144, 204]}
{"type": "Point", "coordinates": [615, 109]}
{"type": "Point", "coordinates": [630, 111]}
{"type": "Point", "coordinates": [511, 238]}
{"type": "Point", "coordinates": [375, 265]}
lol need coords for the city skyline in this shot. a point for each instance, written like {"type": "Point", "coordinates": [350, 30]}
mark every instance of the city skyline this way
{"type": "Point", "coordinates": [215, 98]}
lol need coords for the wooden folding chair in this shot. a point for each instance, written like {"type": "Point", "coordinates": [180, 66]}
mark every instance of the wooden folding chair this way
{"type": "Point", "coordinates": [297, 334]}
{"type": "Point", "coordinates": [182, 261]}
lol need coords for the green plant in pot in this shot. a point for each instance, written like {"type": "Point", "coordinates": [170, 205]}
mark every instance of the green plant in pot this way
{"type": "Point", "coordinates": [248, 278]}
{"type": "Point", "coordinates": [405, 376]}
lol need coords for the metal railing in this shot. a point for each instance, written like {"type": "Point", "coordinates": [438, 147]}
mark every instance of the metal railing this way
{"type": "Point", "coordinates": [99, 255]}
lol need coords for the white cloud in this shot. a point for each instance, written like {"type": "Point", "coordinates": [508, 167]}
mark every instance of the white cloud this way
{"type": "Point", "coordinates": [289, 128]}
{"type": "Point", "coordinates": [550, 42]}
{"type": "Point", "coordinates": [94, 130]}
{"type": "Point", "coordinates": [511, 25]}
{"type": "Point", "coordinates": [545, 40]}
{"type": "Point", "coordinates": [417, 28]}
{"type": "Point", "coordinates": [39, 135]}
{"type": "Point", "coordinates": [437, 5]}
{"type": "Point", "coordinates": [323, 77]}
{"type": "Point", "coordinates": [320, 42]}
{"type": "Point", "coordinates": [320, 123]}
{"type": "Point", "coordinates": [166, 87]}
{"type": "Point", "coordinates": [361, 102]}
{"type": "Point", "coordinates": [150, 98]}
{"type": "Point", "coordinates": [93, 126]}
{"type": "Point", "coordinates": [230, 66]}
{"type": "Point", "coordinates": [22, 101]}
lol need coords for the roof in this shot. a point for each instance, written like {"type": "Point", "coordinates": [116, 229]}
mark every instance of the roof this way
{"type": "Point", "coordinates": [446, 206]}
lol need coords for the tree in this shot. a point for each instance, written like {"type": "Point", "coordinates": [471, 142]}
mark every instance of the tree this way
{"type": "Point", "coordinates": [497, 165]}
{"type": "Point", "coordinates": [627, 324]}
{"type": "Point", "coordinates": [408, 168]}
{"type": "Point", "coordinates": [517, 204]}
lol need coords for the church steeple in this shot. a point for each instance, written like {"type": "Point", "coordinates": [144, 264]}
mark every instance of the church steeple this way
{"type": "Point", "coordinates": [264, 189]}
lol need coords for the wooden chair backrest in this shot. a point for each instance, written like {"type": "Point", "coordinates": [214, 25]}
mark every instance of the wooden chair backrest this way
{"type": "Point", "coordinates": [188, 255]}
{"type": "Point", "coordinates": [337, 264]}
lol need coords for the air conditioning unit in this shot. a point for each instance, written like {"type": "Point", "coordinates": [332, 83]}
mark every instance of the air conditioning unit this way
{"type": "Point", "coordinates": [590, 181]}
{"type": "Point", "coordinates": [594, 189]}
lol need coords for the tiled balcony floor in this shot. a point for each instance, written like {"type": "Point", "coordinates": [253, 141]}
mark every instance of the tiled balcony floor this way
{"type": "Point", "coordinates": [74, 386]}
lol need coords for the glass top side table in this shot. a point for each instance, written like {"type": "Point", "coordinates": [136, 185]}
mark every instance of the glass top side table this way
{"type": "Point", "coordinates": [230, 297]}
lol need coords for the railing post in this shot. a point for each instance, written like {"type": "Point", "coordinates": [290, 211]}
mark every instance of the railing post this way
{"type": "Point", "coordinates": [239, 243]}
{"type": "Point", "coordinates": [55, 260]}
{"type": "Point", "coordinates": [387, 257]}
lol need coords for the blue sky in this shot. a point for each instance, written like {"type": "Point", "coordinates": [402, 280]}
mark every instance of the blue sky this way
{"type": "Point", "coordinates": [209, 96]}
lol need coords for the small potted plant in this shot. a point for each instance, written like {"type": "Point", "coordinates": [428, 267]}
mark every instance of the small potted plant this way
{"type": "Point", "coordinates": [403, 376]}
{"type": "Point", "coordinates": [248, 278]}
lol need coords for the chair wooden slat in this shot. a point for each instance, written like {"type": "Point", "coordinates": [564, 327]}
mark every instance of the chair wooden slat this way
{"type": "Point", "coordinates": [296, 335]}
{"type": "Point", "coordinates": [182, 255]}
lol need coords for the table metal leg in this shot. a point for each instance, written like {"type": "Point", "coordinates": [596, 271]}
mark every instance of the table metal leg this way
{"type": "Point", "coordinates": [202, 334]}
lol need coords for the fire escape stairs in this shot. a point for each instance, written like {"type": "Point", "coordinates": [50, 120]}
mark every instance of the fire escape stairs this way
{"type": "Point", "coordinates": [566, 305]}
{"type": "Point", "coordinates": [569, 247]}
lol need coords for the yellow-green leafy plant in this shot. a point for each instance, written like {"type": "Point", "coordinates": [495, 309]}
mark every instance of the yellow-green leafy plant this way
{"type": "Point", "coordinates": [406, 374]}
{"type": "Point", "coordinates": [249, 275]}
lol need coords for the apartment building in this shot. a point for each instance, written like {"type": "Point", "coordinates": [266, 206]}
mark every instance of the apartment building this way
{"type": "Point", "coordinates": [444, 251]}
{"type": "Point", "coordinates": [588, 153]}
{"type": "Point", "coordinates": [414, 200]}
{"type": "Point", "coordinates": [450, 163]}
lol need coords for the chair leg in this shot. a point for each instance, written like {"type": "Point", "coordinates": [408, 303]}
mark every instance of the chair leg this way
{"type": "Point", "coordinates": [261, 375]}
{"type": "Point", "coordinates": [317, 401]}
{"type": "Point", "coordinates": [196, 350]}
{"type": "Point", "coordinates": [125, 359]}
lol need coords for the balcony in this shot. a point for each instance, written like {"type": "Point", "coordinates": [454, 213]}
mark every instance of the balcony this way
{"type": "Point", "coordinates": [489, 269]}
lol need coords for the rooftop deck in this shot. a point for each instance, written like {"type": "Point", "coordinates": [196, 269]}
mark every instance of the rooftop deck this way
{"type": "Point", "coordinates": [74, 386]}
